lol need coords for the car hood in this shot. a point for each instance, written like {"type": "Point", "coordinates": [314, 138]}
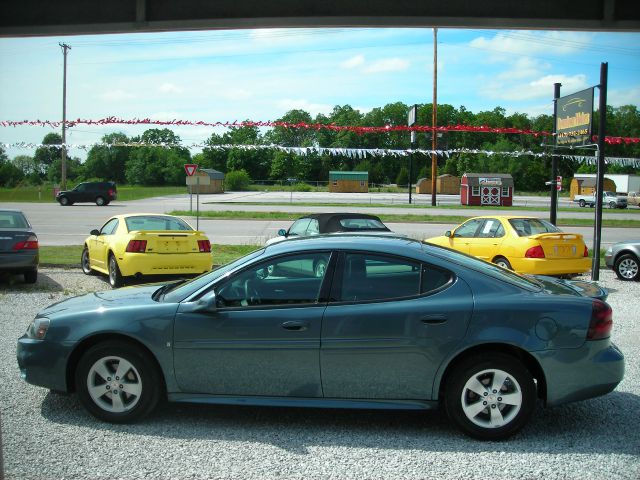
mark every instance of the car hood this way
{"type": "Point", "coordinates": [129, 296]}
{"type": "Point", "coordinates": [584, 288]}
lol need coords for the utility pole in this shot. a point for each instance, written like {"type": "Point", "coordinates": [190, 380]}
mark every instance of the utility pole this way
{"type": "Point", "coordinates": [63, 181]}
{"type": "Point", "coordinates": [434, 119]}
{"type": "Point", "coordinates": [602, 131]}
{"type": "Point", "coordinates": [554, 157]}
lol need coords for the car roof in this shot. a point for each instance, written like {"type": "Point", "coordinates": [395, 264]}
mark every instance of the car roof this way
{"type": "Point", "coordinates": [330, 220]}
{"type": "Point", "coordinates": [349, 241]}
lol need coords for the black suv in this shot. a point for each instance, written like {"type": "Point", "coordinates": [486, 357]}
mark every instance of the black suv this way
{"type": "Point", "coordinates": [99, 192]}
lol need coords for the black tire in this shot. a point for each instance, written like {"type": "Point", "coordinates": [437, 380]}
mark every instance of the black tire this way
{"type": "Point", "coordinates": [100, 201]}
{"type": "Point", "coordinates": [85, 263]}
{"type": "Point", "coordinates": [582, 203]}
{"type": "Point", "coordinates": [132, 388]}
{"type": "Point", "coordinates": [627, 267]}
{"type": "Point", "coordinates": [502, 262]}
{"type": "Point", "coordinates": [115, 277]}
{"type": "Point", "coordinates": [64, 201]}
{"type": "Point", "coordinates": [612, 205]}
{"type": "Point", "coordinates": [481, 411]}
{"type": "Point", "coordinates": [31, 276]}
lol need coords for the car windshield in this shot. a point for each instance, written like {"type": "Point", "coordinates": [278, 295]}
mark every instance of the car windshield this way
{"type": "Point", "coordinates": [180, 291]}
{"type": "Point", "coordinates": [485, 267]}
{"type": "Point", "coordinates": [156, 223]}
{"type": "Point", "coordinates": [532, 226]}
{"type": "Point", "coordinates": [13, 220]}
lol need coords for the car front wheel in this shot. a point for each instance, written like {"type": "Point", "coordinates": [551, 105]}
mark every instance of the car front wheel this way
{"type": "Point", "coordinates": [490, 397]}
{"type": "Point", "coordinates": [85, 262]}
{"type": "Point", "coordinates": [627, 267]}
{"type": "Point", "coordinates": [117, 382]}
{"type": "Point", "coordinates": [64, 201]}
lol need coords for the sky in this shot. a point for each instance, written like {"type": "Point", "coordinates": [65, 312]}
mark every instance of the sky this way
{"type": "Point", "coordinates": [259, 75]}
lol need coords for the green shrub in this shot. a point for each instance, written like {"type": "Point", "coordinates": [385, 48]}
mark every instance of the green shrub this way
{"type": "Point", "coordinates": [301, 187]}
{"type": "Point", "coordinates": [237, 180]}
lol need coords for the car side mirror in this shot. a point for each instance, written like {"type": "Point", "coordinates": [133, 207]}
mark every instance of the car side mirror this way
{"type": "Point", "coordinates": [448, 233]}
{"type": "Point", "coordinates": [282, 232]}
{"type": "Point", "coordinates": [95, 232]}
{"type": "Point", "coordinates": [207, 303]}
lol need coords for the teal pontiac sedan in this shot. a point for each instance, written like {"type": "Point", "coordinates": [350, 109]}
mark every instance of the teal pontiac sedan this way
{"type": "Point", "coordinates": [392, 323]}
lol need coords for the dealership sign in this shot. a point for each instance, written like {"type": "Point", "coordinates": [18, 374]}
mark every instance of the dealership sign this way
{"type": "Point", "coordinates": [574, 115]}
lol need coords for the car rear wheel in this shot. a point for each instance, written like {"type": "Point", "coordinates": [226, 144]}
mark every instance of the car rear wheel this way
{"type": "Point", "coordinates": [627, 267]}
{"type": "Point", "coordinates": [115, 277]}
{"type": "Point", "coordinates": [582, 203]}
{"type": "Point", "coordinates": [612, 205]}
{"type": "Point", "coordinates": [31, 276]}
{"type": "Point", "coordinates": [85, 262]}
{"type": "Point", "coordinates": [100, 201]}
{"type": "Point", "coordinates": [490, 397]}
{"type": "Point", "coordinates": [117, 382]}
{"type": "Point", "coordinates": [502, 262]}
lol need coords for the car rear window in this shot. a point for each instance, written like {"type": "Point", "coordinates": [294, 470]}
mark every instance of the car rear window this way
{"type": "Point", "coordinates": [13, 220]}
{"type": "Point", "coordinates": [532, 226]}
{"type": "Point", "coordinates": [362, 224]}
{"type": "Point", "coordinates": [156, 223]}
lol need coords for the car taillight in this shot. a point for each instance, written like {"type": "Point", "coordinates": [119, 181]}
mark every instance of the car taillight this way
{"type": "Point", "coordinates": [586, 252]}
{"type": "Point", "coordinates": [535, 252]}
{"type": "Point", "coordinates": [29, 244]}
{"type": "Point", "coordinates": [111, 192]}
{"type": "Point", "coordinates": [137, 246]}
{"type": "Point", "coordinates": [204, 245]}
{"type": "Point", "coordinates": [601, 321]}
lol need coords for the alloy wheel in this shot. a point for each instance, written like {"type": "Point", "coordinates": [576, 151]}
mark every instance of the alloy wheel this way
{"type": "Point", "coordinates": [114, 384]}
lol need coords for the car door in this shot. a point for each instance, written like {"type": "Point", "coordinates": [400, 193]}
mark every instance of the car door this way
{"type": "Point", "coordinates": [263, 337]}
{"type": "Point", "coordinates": [462, 236]}
{"type": "Point", "coordinates": [99, 244]}
{"type": "Point", "coordinates": [388, 327]}
{"type": "Point", "coordinates": [486, 242]}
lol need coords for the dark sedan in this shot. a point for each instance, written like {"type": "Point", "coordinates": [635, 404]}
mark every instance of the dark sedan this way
{"type": "Point", "coordinates": [19, 249]}
{"type": "Point", "coordinates": [392, 324]}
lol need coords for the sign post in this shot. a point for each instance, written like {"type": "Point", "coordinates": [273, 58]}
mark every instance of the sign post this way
{"type": "Point", "coordinates": [412, 118]}
{"type": "Point", "coordinates": [190, 169]}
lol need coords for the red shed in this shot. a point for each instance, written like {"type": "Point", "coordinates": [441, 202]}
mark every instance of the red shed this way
{"type": "Point", "coordinates": [486, 189]}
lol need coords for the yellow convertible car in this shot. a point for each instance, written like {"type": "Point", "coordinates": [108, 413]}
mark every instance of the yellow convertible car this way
{"type": "Point", "coordinates": [145, 244]}
{"type": "Point", "coordinates": [522, 244]}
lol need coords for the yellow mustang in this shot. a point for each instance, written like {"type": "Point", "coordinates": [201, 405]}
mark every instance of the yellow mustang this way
{"type": "Point", "coordinates": [522, 244]}
{"type": "Point", "coordinates": [145, 244]}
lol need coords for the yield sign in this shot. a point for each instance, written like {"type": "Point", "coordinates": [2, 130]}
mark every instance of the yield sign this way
{"type": "Point", "coordinates": [190, 168]}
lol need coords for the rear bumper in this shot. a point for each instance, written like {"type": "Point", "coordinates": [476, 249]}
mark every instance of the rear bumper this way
{"type": "Point", "coordinates": [19, 261]}
{"type": "Point", "coordinates": [592, 370]}
{"type": "Point", "coordinates": [550, 266]}
{"type": "Point", "coordinates": [164, 263]}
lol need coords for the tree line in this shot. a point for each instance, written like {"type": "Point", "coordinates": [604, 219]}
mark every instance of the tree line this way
{"type": "Point", "coordinates": [155, 165]}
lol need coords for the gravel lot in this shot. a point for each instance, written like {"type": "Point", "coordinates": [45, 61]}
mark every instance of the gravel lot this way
{"type": "Point", "coordinates": [50, 436]}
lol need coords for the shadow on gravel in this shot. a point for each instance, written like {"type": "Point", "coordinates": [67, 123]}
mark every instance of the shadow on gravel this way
{"type": "Point", "coordinates": [15, 284]}
{"type": "Point", "coordinates": [604, 425]}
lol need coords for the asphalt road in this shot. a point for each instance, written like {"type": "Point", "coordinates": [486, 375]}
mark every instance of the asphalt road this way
{"type": "Point", "coordinates": [56, 225]}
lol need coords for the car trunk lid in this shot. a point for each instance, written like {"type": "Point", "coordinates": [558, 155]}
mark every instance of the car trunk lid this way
{"type": "Point", "coordinates": [164, 242]}
{"type": "Point", "coordinates": [10, 236]}
{"type": "Point", "coordinates": [560, 245]}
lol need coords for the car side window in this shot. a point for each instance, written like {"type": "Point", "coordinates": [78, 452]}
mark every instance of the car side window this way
{"type": "Point", "coordinates": [492, 228]}
{"type": "Point", "coordinates": [289, 280]}
{"type": "Point", "coordinates": [299, 227]}
{"type": "Point", "coordinates": [377, 277]}
{"type": "Point", "coordinates": [434, 278]}
{"type": "Point", "coordinates": [468, 229]}
{"type": "Point", "coordinates": [81, 188]}
{"type": "Point", "coordinates": [109, 227]}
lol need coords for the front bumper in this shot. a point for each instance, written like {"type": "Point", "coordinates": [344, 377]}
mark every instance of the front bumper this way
{"type": "Point", "coordinates": [43, 363]}
{"type": "Point", "coordinates": [592, 370]}
{"type": "Point", "coordinates": [164, 263]}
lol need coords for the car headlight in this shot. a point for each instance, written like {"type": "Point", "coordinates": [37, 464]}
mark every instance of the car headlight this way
{"type": "Point", "coordinates": [38, 328]}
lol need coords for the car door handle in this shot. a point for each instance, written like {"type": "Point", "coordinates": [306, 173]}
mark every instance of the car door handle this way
{"type": "Point", "coordinates": [434, 319]}
{"type": "Point", "coordinates": [295, 326]}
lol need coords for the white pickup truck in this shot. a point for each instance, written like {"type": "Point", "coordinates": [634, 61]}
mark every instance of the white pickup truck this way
{"type": "Point", "coordinates": [609, 199]}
